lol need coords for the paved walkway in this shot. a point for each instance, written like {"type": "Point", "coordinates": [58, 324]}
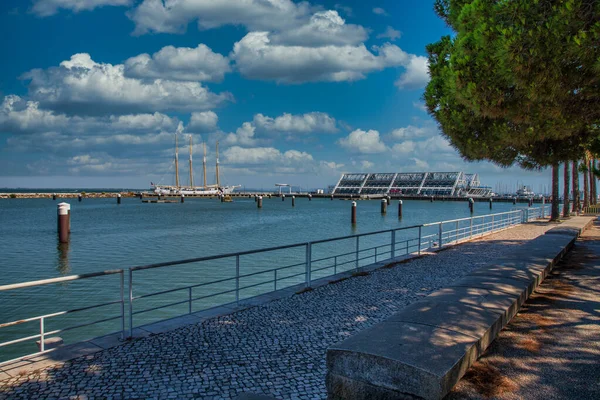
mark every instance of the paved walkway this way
{"type": "Point", "coordinates": [551, 349]}
{"type": "Point", "coordinates": [276, 349]}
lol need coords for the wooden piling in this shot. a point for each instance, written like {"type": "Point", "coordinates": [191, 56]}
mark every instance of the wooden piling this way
{"type": "Point", "coordinates": [399, 208]}
{"type": "Point", "coordinates": [471, 205]}
{"type": "Point", "coordinates": [353, 214]}
{"type": "Point", "coordinates": [118, 198]}
{"type": "Point", "coordinates": [293, 201]}
{"type": "Point", "coordinates": [182, 197]}
{"type": "Point", "coordinates": [259, 202]}
{"type": "Point", "coordinates": [310, 197]}
{"type": "Point", "coordinates": [79, 197]}
{"type": "Point", "coordinates": [384, 204]}
{"type": "Point", "coordinates": [490, 203]}
{"type": "Point", "coordinates": [283, 197]}
{"type": "Point", "coordinates": [63, 222]}
{"type": "Point", "coordinates": [54, 196]}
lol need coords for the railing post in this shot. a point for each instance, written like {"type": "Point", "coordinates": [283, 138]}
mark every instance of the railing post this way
{"type": "Point", "coordinates": [471, 228]}
{"type": "Point", "coordinates": [393, 244]}
{"type": "Point", "coordinates": [237, 279]}
{"type": "Point", "coordinates": [190, 300]}
{"type": "Point", "coordinates": [420, 239]}
{"type": "Point", "coordinates": [492, 223]}
{"type": "Point", "coordinates": [275, 280]}
{"type": "Point", "coordinates": [334, 265]}
{"type": "Point", "coordinates": [308, 263]}
{"type": "Point", "coordinates": [130, 303]}
{"type": "Point", "coordinates": [440, 238]}
{"type": "Point", "coordinates": [375, 254]}
{"type": "Point", "coordinates": [457, 231]}
{"type": "Point", "coordinates": [357, 248]}
{"type": "Point", "coordinates": [122, 305]}
{"type": "Point", "coordinates": [42, 338]}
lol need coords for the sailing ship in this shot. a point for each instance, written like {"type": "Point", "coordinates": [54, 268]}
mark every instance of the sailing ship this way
{"type": "Point", "coordinates": [191, 190]}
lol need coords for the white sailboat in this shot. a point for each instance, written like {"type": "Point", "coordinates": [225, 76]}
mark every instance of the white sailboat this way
{"type": "Point", "coordinates": [205, 190]}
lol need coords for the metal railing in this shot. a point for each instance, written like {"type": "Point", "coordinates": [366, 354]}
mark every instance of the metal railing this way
{"type": "Point", "coordinates": [243, 277]}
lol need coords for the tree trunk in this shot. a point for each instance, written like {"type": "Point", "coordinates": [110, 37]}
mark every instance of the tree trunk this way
{"type": "Point", "coordinates": [566, 194]}
{"type": "Point", "coordinates": [576, 198]}
{"type": "Point", "coordinates": [586, 191]}
{"type": "Point", "coordinates": [555, 206]}
{"type": "Point", "coordinates": [591, 182]}
{"type": "Point", "coordinates": [594, 192]}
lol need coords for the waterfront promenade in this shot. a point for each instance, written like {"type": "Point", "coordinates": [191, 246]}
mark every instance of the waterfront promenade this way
{"type": "Point", "coordinates": [276, 349]}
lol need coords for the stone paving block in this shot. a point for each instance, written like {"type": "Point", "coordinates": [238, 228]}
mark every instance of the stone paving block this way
{"type": "Point", "coordinates": [171, 324]}
{"type": "Point", "coordinates": [395, 358]}
{"type": "Point", "coordinates": [574, 226]}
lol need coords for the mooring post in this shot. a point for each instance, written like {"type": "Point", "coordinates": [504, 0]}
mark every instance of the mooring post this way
{"type": "Point", "coordinates": [182, 197]}
{"type": "Point", "coordinates": [293, 201]}
{"type": "Point", "coordinates": [399, 208]}
{"type": "Point", "coordinates": [353, 213]}
{"type": "Point", "coordinates": [79, 197]}
{"type": "Point", "coordinates": [54, 196]}
{"type": "Point", "coordinates": [283, 197]}
{"type": "Point", "coordinates": [118, 198]}
{"type": "Point", "coordinates": [331, 197]}
{"type": "Point", "coordinates": [63, 222]}
{"type": "Point", "coordinates": [384, 204]}
{"type": "Point", "coordinates": [514, 201]}
{"type": "Point", "coordinates": [389, 200]}
{"type": "Point", "coordinates": [222, 198]}
{"type": "Point", "coordinates": [259, 202]}
{"type": "Point", "coordinates": [490, 203]}
{"type": "Point", "coordinates": [431, 200]}
{"type": "Point", "coordinates": [309, 197]}
{"type": "Point", "coordinates": [471, 204]}
{"type": "Point", "coordinates": [255, 199]}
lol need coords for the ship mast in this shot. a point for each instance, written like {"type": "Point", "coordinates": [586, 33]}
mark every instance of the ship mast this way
{"type": "Point", "coordinates": [204, 164]}
{"type": "Point", "coordinates": [191, 171]}
{"type": "Point", "coordinates": [218, 182]}
{"type": "Point", "coordinates": [176, 163]}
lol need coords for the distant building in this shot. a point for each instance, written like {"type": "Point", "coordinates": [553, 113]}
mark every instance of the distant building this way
{"type": "Point", "coordinates": [457, 184]}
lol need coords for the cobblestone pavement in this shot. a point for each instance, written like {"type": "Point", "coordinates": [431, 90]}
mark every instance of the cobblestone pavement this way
{"type": "Point", "coordinates": [276, 349]}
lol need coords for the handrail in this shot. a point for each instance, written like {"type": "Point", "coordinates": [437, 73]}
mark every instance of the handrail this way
{"type": "Point", "coordinates": [59, 279]}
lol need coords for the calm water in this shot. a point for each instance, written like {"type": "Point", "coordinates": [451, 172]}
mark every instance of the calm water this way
{"type": "Point", "coordinates": [105, 236]}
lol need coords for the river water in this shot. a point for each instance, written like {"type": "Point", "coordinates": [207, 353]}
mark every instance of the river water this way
{"type": "Point", "coordinates": [107, 236]}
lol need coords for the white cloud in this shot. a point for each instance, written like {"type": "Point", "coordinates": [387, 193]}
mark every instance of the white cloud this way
{"type": "Point", "coordinates": [412, 132]}
{"type": "Point", "coordinates": [365, 164]}
{"type": "Point", "coordinates": [416, 75]}
{"type": "Point", "coordinates": [205, 121]}
{"type": "Point", "coordinates": [390, 33]}
{"type": "Point", "coordinates": [345, 9]}
{"type": "Point", "coordinates": [19, 116]}
{"type": "Point", "coordinates": [81, 85]}
{"type": "Point", "coordinates": [264, 155]}
{"type": "Point", "coordinates": [406, 147]}
{"type": "Point", "coordinates": [257, 58]}
{"type": "Point", "coordinates": [173, 16]}
{"type": "Point", "coordinates": [45, 8]}
{"type": "Point", "coordinates": [323, 28]}
{"type": "Point", "coordinates": [243, 136]}
{"type": "Point", "coordinates": [366, 142]}
{"type": "Point", "coordinates": [379, 11]}
{"type": "Point", "coordinates": [419, 105]}
{"type": "Point", "coordinates": [304, 123]}
{"type": "Point", "coordinates": [179, 64]}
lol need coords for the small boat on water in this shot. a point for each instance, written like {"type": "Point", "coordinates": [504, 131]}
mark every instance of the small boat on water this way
{"type": "Point", "coordinates": [525, 192]}
{"type": "Point", "coordinates": [191, 190]}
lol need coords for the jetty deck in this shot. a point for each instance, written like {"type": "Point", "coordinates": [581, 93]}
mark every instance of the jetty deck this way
{"type": "Point", "coordinates": [277, 348]}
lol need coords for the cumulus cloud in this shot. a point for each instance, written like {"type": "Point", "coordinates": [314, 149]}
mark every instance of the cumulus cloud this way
{"type": "Point", "coordinates": [416, 74]}
{"type": "Point", "coordinates": [323, 28]}
{"type": "Point", "coordinates": [379, 11]}
{"type": "Point", "coordinates": [243, 136]}
{"type": "Point", "coordinates": [303, 123]}
{"type": "Point", "coordinates": [366, 142]}
{"type": "Point", "coordinates": [179, 64]}
{"type": "Point", "coordinates": [264, 155]}
{"type": "Point", "coordinates": [257, 58]}
{"type": "Point", "coordinates": [81, 85]}
{"type": "Point", "coordinates": [412, 132]}
{"type": "Point", "coordinates": [419, 105]}
{"type": "Point", "coordinates": [173, 16]}
{"type": "Point", "coordinates": [19, 116]}
{"type": "Point", "coordinates": [390, 33]}
{"type": "Point", "coordinates": [45, 8]}
{"type": "Point", "coordinates": [205, 121]}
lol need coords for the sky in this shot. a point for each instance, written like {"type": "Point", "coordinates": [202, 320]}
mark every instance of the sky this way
{"type": "Point", "coordinates": [93, 92]}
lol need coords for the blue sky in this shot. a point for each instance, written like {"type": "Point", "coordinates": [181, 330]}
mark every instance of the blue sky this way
{"type": "Point", "coordinates": [93, 92]}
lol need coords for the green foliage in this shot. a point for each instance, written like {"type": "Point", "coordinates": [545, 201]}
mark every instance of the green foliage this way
{"type": "Point", "coordinates": [12, 196]}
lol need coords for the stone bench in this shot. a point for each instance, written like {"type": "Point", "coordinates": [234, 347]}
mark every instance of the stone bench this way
{"type": "Point", "coordinates": [423, 351]}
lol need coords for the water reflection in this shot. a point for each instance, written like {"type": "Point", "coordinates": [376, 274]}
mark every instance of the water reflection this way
{"type": "Point", "coordinates": [62, 251]}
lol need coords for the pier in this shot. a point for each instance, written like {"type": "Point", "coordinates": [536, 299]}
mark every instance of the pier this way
{"type": "Point", "coordinates": [258, 345]}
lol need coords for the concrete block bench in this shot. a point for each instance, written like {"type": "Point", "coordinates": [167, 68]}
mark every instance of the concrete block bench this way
{"type": "Point", "coordinates": [423, 351]}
